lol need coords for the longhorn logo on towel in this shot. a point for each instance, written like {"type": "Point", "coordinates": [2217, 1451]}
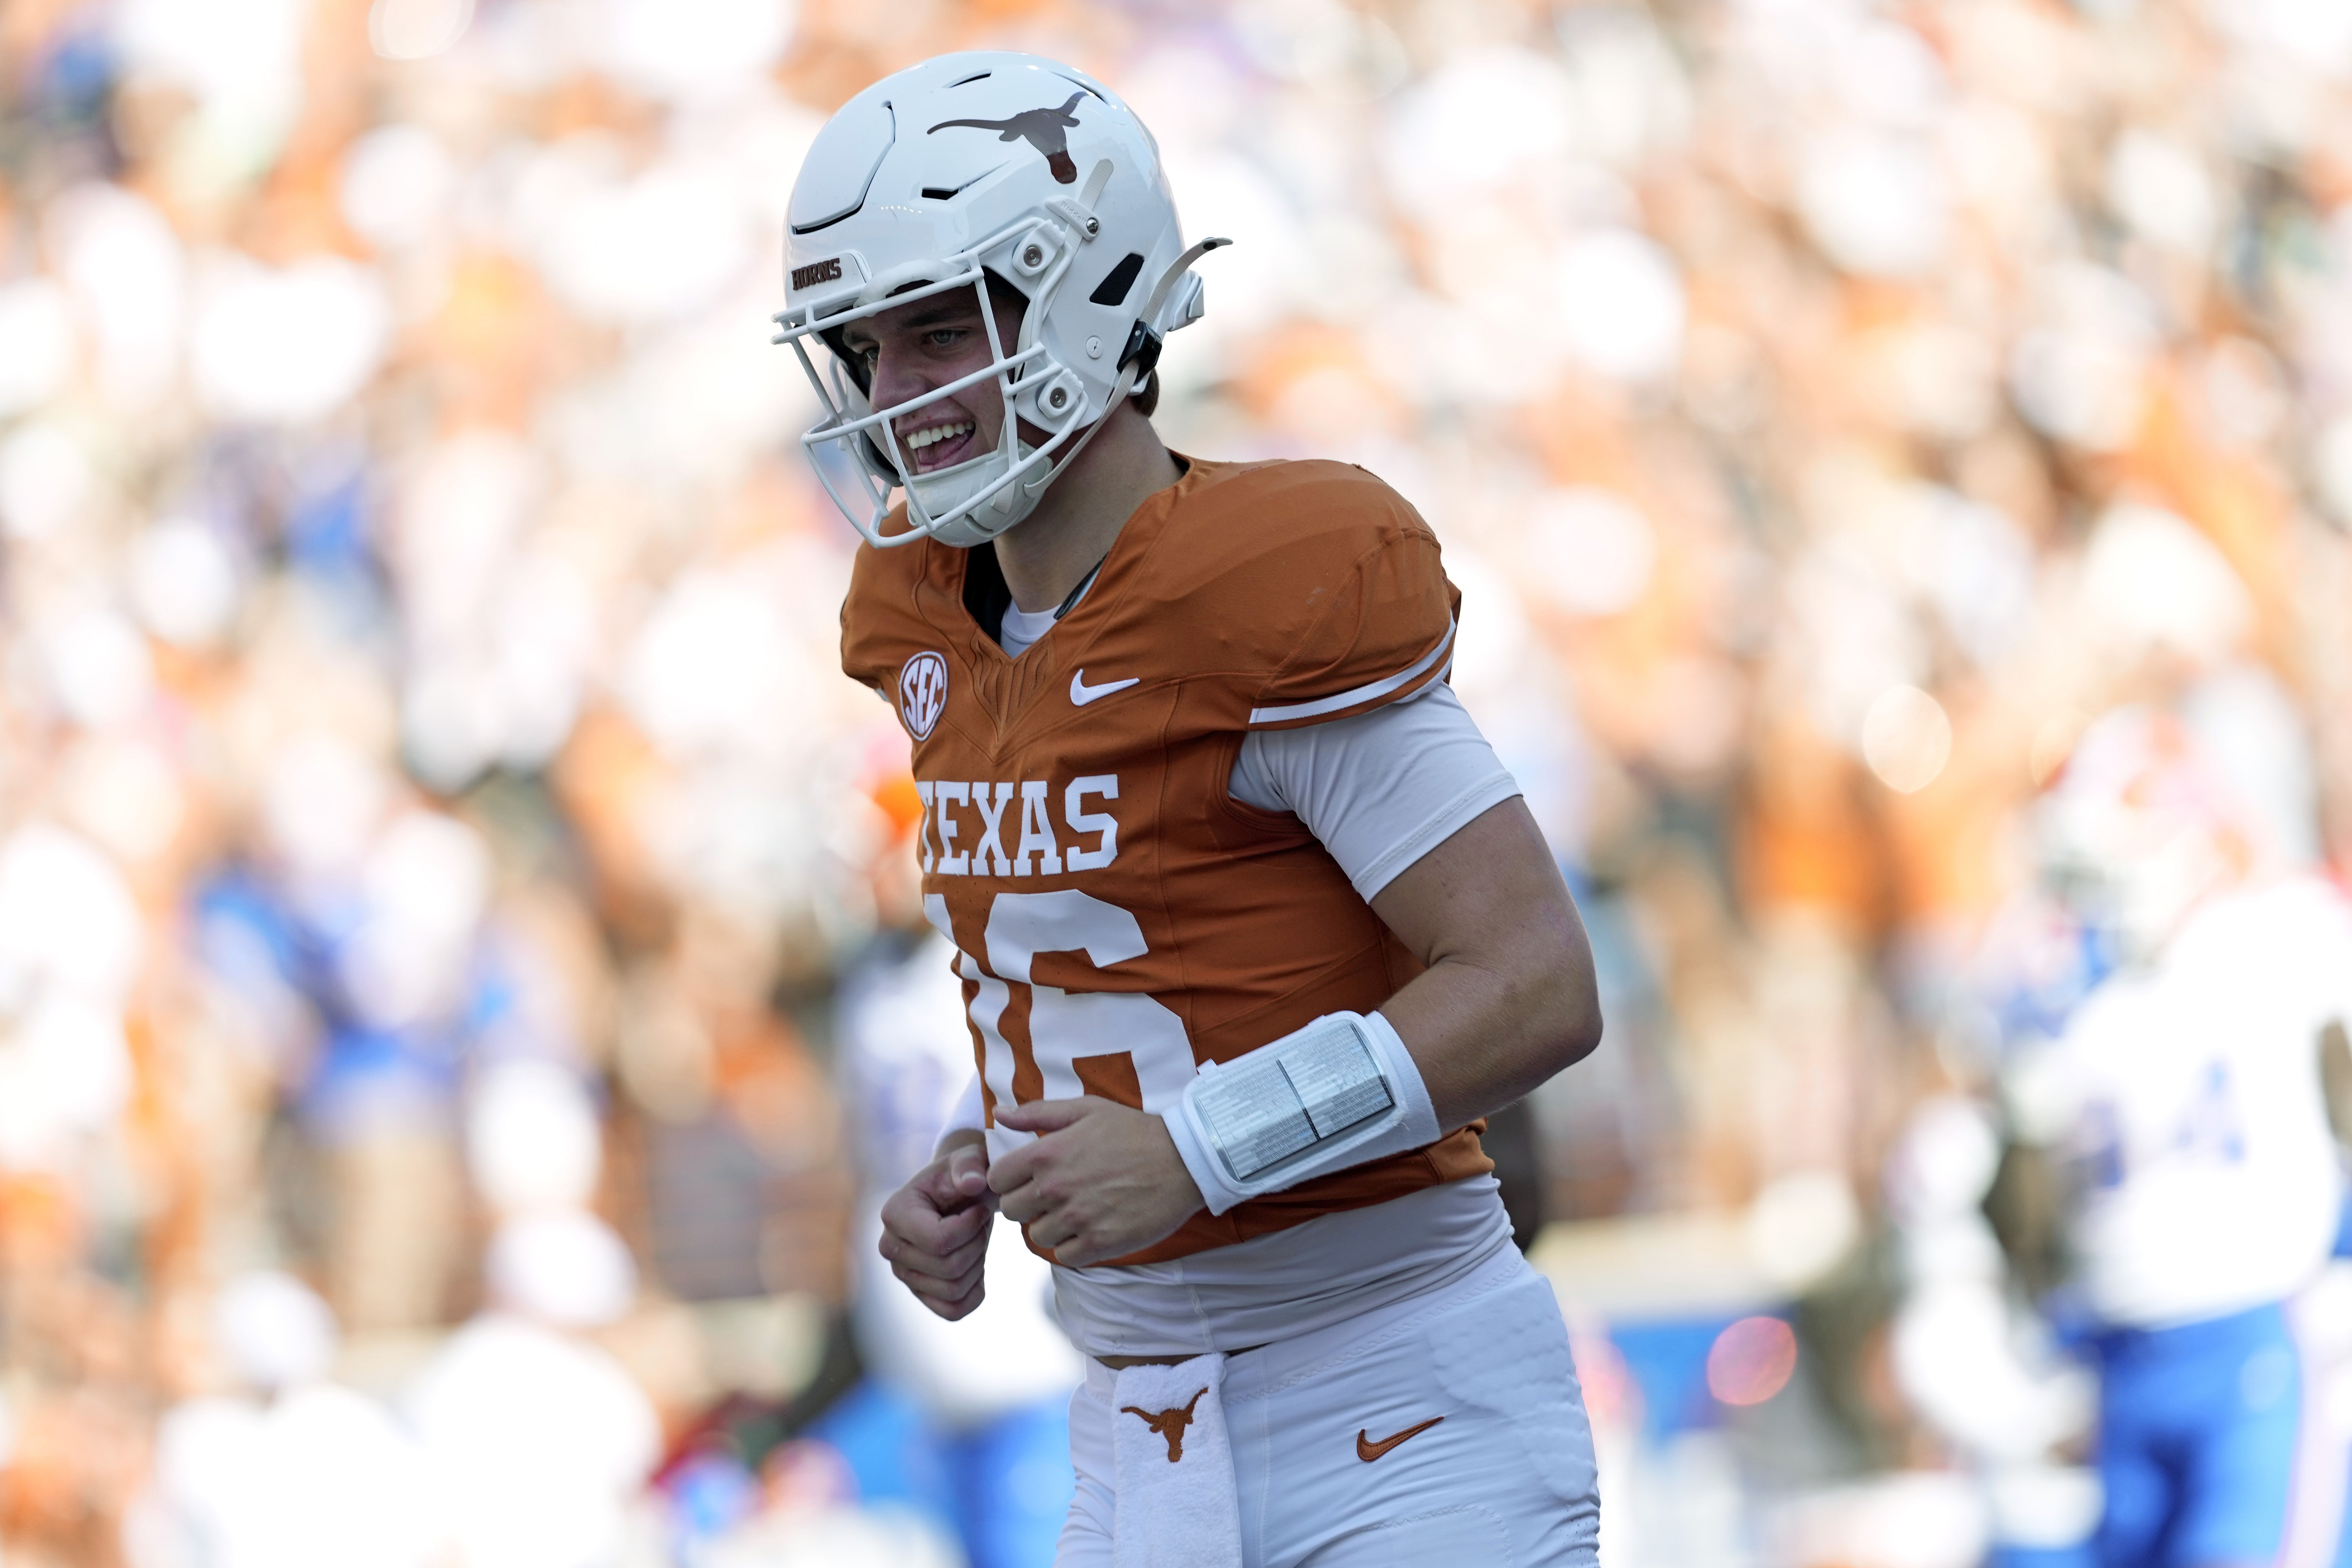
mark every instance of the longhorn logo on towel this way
{"type": "Point", "coordinates": [1169, 1423]}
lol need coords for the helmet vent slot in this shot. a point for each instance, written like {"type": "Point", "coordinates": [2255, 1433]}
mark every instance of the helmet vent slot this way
{"type": "Point", "coordinates": [967, 81]}
{"type": "Point", "coordinates": [1119, 283]}
{"type": "Point", "coordinates": [948, 193]}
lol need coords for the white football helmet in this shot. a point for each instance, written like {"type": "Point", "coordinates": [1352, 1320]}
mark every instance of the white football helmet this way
{"type": "Point", "coordinates": [2138, 828]}
{"type": "Point", "coordinates": [969, 171]}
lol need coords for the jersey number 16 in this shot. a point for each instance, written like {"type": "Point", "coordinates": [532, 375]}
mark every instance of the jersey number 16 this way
{"type": "Point", "coordinates": [1120, 1045]}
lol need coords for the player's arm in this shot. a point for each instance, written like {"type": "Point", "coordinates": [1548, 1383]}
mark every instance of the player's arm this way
{"type": "Point", "coordinates": [1508, 1000]}
{"type": "Point", "coordinates": [1354, 734]}
{"type": "Point", "coordinates": [935, 1229]}
{"type": "Point", "coordinates": [1509, 997]}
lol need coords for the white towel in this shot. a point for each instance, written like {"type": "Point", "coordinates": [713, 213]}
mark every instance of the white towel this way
{"type": "Point", "coordinates": [1177, 1503]}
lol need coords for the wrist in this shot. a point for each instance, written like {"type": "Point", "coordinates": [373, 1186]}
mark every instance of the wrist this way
{"type": "Point", "coordinates": [1337, 1093]}
{"type": "Point", "coordinates": [1199, 1167]}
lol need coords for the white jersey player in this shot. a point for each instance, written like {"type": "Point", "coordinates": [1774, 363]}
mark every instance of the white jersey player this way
{"type": "Point", "coordinates": [2183, 1098]}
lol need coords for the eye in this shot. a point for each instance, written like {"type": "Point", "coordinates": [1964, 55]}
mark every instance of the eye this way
{"type": "Point", "coordinates": [944, 337]}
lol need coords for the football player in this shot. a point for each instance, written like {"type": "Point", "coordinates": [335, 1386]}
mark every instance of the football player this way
{"type": "Point", "coordinates": [1253, 928]}
{"type": "Point", "coordinates": [2183, 1101]}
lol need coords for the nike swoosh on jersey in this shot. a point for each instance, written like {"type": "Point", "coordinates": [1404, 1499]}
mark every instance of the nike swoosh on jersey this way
{"type": "Point", "coordinates": [1368, 1451]}
{"type": "Point", "coordinates": [1081, 693]}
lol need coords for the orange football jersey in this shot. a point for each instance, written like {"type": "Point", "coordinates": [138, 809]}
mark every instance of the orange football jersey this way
{"type": "Point", "coordinates": [1118, 917]}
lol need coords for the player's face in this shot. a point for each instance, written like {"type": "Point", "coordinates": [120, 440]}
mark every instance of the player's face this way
{"type": "Point", "coordinates": [909, 350]}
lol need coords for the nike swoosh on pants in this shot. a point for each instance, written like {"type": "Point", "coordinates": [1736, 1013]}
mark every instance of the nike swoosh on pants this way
{"type": "Point", "coordinates": [1368, 1450]}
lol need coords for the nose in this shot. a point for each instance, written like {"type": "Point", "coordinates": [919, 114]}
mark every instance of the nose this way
{"type": "Point", "coordinates": [898, 377]}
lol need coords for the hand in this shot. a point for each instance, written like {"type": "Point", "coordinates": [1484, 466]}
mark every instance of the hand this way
{"type": "Point", "coordinates": [1101, 1180]}
{"type": "Point", "coordinates": [935, 1228]}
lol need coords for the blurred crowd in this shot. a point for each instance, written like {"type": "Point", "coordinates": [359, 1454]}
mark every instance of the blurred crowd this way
{"type": "Point", "coordinates": [446, 882]}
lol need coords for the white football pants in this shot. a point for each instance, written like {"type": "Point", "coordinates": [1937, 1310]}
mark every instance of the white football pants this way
{"type": "Point", "coordinates": [1505, 1480]}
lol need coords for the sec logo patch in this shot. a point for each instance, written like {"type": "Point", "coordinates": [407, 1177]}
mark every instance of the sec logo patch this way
{"type": "Point", "coordinates": [923, 693]}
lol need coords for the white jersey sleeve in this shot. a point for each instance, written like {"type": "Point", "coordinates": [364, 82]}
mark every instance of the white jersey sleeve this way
{"type": "Point", "coordinates": [1381, 789]}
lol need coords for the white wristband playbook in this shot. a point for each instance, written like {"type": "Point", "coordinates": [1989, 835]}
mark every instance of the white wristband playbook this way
{"type": "Point", "coordinates": [1336, 1093]}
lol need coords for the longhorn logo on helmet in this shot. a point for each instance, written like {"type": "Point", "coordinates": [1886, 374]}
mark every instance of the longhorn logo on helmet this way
{"type": "Point", "coordinates": [1047, 129]}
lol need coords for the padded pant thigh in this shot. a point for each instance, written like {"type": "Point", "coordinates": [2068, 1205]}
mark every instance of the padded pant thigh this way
{"type": "Point", "coordinates": [1472, 1534]}
{"type": "Point", "coordinates": [1509, 1357]}
{"type": "Point", "coordinates": [1505, 1479]}
{"type": "Point", "coordinates": [2240, 1481]}
{"type": "Point", "coordinates": [2199, 1453]}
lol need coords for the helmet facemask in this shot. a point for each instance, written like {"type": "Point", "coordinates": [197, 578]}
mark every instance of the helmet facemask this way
{"type": "Point", "coordinates": [980, 497]}
{"type": "Point", "coordinates": [979, 171]}
{"type": "Point", "coordinates": [2138, 831]}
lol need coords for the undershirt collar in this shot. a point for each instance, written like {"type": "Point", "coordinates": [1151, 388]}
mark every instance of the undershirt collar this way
{"type": "Point", "coordinates": [1018, 631]}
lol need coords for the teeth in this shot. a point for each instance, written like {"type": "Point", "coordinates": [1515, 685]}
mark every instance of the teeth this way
{"type": "Point", "coordinates": [937, 433]}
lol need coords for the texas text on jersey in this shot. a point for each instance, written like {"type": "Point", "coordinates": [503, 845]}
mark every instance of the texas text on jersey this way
{"type": "Point", "coordinates": [1080, 847]}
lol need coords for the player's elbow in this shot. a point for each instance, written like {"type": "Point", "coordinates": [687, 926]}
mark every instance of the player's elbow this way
{"type": "Point", "coordinates": [1552, 1035]}
{"type": "Point", "coordinates": [1581, 1038]}
{"type": "Point", "coordinates": [1575, 1029]}
{"type": "Point", "coordinates": [1570, 1018]}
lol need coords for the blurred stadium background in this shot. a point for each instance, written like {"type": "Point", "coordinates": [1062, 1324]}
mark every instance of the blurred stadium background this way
{"type": "Point", "coordinates": [441, 864]}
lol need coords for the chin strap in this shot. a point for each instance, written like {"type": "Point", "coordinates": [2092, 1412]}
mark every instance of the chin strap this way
{"type": "Point", "coordinates": [1031, 488]}
{"type": "Point", "coordinates": [1136, 362]}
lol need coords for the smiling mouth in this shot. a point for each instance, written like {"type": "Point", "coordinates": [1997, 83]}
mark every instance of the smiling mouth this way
{"type": "Point", "coordinates": [937, 446]}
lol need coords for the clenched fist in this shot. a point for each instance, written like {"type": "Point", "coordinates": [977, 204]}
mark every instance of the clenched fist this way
{"type": "Point", "coordinates": [935, 1228]}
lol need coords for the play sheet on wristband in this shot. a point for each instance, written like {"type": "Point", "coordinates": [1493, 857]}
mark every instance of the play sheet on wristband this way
{"type": "Point", "coordinates": [1261, 1111]}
